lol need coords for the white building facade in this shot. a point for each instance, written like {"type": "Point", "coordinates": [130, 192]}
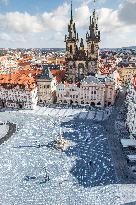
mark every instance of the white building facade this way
{"type": "Point", "coordinates": [131, 100]}
{"type": "Point", "coordinates": [19, 95]}
{"type": "Point", "coordinates": [92, 91]}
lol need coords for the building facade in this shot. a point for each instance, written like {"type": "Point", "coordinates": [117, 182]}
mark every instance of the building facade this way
{"type": "Point", "coordinates": [18, 91]}
{"type": "Point", "coordinates": [92, 91]}
{"type": "Point", "coordinates": [126, 74]}
{"type": "Point", "coordinates": [46, 84]}
{"type": "Point", "coordinates": [46, 88]}
{"type": "Point", "coordinates": [81, 61]}
{"type": "Point", "coordinates": [131, 113]}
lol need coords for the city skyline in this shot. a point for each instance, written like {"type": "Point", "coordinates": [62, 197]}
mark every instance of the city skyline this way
{"type": "Point", "coordinates": [43, 24]}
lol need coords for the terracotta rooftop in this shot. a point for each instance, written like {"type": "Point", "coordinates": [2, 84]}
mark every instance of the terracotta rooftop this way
{"type": "Point", "coordinates": [23, 63]}
{"type": "Point", "coordinates": [28, 70]}
{"type": "Point", "coordinates": [18, 79]}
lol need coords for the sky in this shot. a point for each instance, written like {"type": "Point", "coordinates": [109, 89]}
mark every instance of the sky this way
{"type": "Point", "coordinates": [43, 23]}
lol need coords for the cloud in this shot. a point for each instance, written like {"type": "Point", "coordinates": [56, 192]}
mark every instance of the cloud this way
{"type": "Point", "coordinates": [5, 37]}
{"type": "Point", "coordinates": [127, 12]}
{"type": "Point", "coordinates": [38, 30]}
{"type": "Point", "coordinates": [58, 19]}
{"type": "Point", "coordinates": [118, 29]}
{"type": "Point", "coordinates": [48, 29]}
{"type": "Point", "coordinates": [109, 21]}
{"type": "Point", "coordinates": [20, 23]}
{"type": "Point", "coordinates": [82, 15]}
{"type": "Point", "coordinates": [23, 22]}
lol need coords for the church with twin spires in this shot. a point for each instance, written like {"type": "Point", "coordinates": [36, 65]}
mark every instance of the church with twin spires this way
{"type": "Point", "coordinates": [81, 61]}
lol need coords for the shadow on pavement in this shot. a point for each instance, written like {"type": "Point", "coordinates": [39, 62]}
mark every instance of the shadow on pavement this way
{"type": "Point", "coordinates": [93, 165]}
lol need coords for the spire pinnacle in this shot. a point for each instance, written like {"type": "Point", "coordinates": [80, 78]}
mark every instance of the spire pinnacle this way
{"type": "Point", "coordinates": [71, 11]}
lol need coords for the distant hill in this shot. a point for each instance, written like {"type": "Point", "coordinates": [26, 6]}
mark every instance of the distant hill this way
{"type": "Point", "coordinates": [129, 47]}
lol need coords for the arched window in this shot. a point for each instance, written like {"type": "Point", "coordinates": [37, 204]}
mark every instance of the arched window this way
{"type": "Point", "coordinates": [92, 104]}
{"type": "Point", "coordinates": [70, 48]}
{"type": "Point", "coordinates": [80, 71]}
{"type": "Point", "coordinates": [71, 102]}
{"type": "Point", "coordinates": [20, 106]}
{"type": "Point", "coordinates": [92, 48]}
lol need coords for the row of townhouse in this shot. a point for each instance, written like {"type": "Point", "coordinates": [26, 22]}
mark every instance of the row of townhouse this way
{"type": "Point", "coordinates": [18, 91]}
{"type": "Point", "coordinates": [93, 91]}
{"type": "Point", "coordinates": [25, 88]}
{"type": "Point", "coordinates": [131, 112]}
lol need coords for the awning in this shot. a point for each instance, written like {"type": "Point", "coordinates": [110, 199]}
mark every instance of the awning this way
{"type": "Point", "coordinates": [131, 157]}
{"type": "Point", "coordinates": [128, 142]}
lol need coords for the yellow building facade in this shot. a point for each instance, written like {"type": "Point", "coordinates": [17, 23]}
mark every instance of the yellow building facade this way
{"type": "Point", "coordinates": [126, 74]}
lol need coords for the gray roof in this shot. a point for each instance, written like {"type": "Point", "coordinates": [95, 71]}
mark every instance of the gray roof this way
{"type": "Point", "coordinates": [91, 79]}
{"type": "Point", "coordinates": [95, 80]}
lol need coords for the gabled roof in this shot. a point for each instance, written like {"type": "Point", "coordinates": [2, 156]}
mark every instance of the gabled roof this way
{"type": "Point", "coordinates": [46, 74]}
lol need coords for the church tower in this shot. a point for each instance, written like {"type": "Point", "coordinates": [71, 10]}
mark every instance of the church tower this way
{"type": "Point", "coordinates": [71, 41]}
{"type": "Point", "coordinates": [93, 39]}
{"type": "Point", "coordinates": [81, 61]}
{"type": "Point", "coordinates": [76, 58]}
{"type": "Point", "coordinates": [72, 38]}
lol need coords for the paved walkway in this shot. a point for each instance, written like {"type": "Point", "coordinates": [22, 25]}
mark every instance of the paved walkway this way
{"type": "Point", "coordinates": [94, 114]}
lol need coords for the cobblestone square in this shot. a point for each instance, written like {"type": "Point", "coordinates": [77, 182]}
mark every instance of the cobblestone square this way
{"type": "Point", "coordinates": [32, 172]}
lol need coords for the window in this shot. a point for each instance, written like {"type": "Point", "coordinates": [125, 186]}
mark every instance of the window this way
{"type": "Point", "coordinates": [70, 48]}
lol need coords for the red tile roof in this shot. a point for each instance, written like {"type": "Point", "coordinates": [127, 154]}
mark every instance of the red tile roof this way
{"type": "Point", "coordinates": [18, 78]}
